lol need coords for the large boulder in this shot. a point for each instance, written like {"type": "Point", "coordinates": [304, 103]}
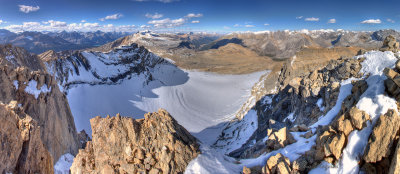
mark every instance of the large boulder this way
{"type": "Point", "coordinates": [22, 150]}
{"type": "Point", "coordinates": [282, 137]}
{"type": "Point", "coordinates": [156, 144]}
{"type": "Point", "coordinates": [382, 137]}
{"type": "Point", "coordinates": [277, 164]}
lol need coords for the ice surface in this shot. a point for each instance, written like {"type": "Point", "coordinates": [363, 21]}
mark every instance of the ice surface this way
{"type": "Point", "coordinates": [201, 102]}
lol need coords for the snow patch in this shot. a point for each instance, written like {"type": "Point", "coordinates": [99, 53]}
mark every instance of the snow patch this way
{"type": "Point", "coordinates": [319, 104]}
{"type": "Point", "coordinates": [63, 164]}
{"type": "Point", "coordinates": [290, 117]}
{"type": "Point", "coordinates": [15, 83]}
{"type": "Point", "coordinates": [237, 134]}
{"type": "Point", "coordinates": [211, 161]}
{"type": "Point", "coordinates": [292, 151]}
{"type": "Point", "coordinates": [31, 88]}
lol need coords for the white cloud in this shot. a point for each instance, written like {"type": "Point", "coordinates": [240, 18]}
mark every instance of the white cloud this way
{"type": "Point", "coordinates": [299, 17]}
{"type": "Point", "coordinates": [27, 8]}
{"type": "Point", "coordinates": [227, 28]}
{"type": "Point", "coordinates": [390, 20]}
{"type": "Point", "coordinates": [83, 21]}
{"type": "Point", "coordinates": [52, 25]}
{"type": "Point", "coordinates": [372, 21]}
{"type": "Point", "coordinates": [313, 19]}
{"type": "Point", "coordinates": [266, 24]}
{"type": "Point", "coordinates": [112, 17]}
{"type": "Point", "coordinates": [193, 15]}
{"type": "Point", "coordinates": [249, 26]}
{"type": "Point", "coordinates": [332, 21]}
{"type": "Point", "coordinates": [236, 25]}
{"type": "Point", "coordinates": [144, 26]}
{"type": "Point", "coordinates": [164, 1]}
{"type": "Point", "coordinates": [167, 23]}
{"type": "Point", "coordinates": [55, 23]}
{"type": "Point", "coordinates": [170, 23]}
{"type": "Point", "coordinates": [1, 21]}
{"type": "Point", "coordinates": [195, 22]}
{"type": "Point", "coordinates": [154, 16]}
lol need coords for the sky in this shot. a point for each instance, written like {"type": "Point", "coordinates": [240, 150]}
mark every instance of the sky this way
{"type": "Point", "coordinates": [198, 15]}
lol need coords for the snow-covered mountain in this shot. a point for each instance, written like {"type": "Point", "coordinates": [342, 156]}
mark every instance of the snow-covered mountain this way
{"type": "Point", "coordinates": [38, 42]}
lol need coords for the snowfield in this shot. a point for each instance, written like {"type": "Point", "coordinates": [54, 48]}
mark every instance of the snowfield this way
{"type": "Point", "coordinates": [201, 102]}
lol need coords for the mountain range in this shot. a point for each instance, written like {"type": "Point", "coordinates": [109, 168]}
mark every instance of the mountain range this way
{"type": "Point", "coordinates": [38, 42]}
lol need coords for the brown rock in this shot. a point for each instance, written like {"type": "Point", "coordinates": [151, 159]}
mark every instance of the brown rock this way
{"type": "Point", "coordinates": [299, 128]}
{"type": "Point", "coordinates": [395, 164]}
{"type": "Point", "coordinates": [336, 145]}
{"type": "Point", "coordinates": [22, 150]}
{"type": "Point", "coordinates": [246, 170]}
{"type": "Point", "coordinates": [358, 118]}
{"type": "Point", "coordinates": [278, 164]}
{"type": "Point", "coordinates": [50, 110]}
{"type": "Point", "coordinates": [382, 137]}
{"type": "Point", "coordinates": [156, 144]}
{"type": "Point", "coordinates": [283, 137]}
{"type": "Point", "coordinates": [397, 65]}
{"type": "Point", "coordinates": [308, 135]}
{"type": "Point", "coordinates": [391, 74]}
{"type": "Point", "coordinates": [343, 125]}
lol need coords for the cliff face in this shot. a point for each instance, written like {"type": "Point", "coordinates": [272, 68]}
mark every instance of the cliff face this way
{"type": "Point", "coordinates": [23, 79]}
{"type": "Point", "coordinates": [155, 144]}
{"type": "Point", "coordinates": [22, 150]}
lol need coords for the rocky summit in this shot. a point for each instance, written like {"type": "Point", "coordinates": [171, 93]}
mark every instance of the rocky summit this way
{"type": "Point", "coordinates": [155, 144]}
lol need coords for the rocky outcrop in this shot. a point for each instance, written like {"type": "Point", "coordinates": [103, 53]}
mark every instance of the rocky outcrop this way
{"type": "Point", "coordinates": [155, 144]}
{"type": "Point", "coordinates": [383, 135]}
{"type": "Point", "coordinates": [381, 153]}
{"type": "Point", "coordinates": [302, 100]}
{"type": "Point", "coordinates": [392, 83]}
{"type": "Point", "coordinates": [27, 82]}
{"type": "Point", "coordinates": [277, 164]}
{"type": "Point", "coordinates": [332, 139]}
{"type": "Point", "coordinates": [390, 44]}
{"type": "Point", "coordinates": [276, 139]}
{"type": "Point", "coordinates": [21, 149]}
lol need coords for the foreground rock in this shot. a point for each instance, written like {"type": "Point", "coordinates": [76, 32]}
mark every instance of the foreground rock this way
{"type": "Point", "coordinates": [21, 150]}
{"type": "Point", "coordinates": [24, 79]}
{"type": "Point", "coordinates": [155, 144]}
{"type": "Point", "coordinates": [383, 135]}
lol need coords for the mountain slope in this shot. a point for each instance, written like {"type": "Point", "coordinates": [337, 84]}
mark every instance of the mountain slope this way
{"type": "Point", "coordinates": [25, 81]}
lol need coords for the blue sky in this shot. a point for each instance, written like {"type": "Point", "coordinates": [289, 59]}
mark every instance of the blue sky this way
{"type": "Point", "coordinates": [198, 15]}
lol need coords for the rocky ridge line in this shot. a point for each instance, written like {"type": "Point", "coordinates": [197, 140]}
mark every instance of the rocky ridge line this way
{"type": "Point", "coordinates": [155, 144]}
